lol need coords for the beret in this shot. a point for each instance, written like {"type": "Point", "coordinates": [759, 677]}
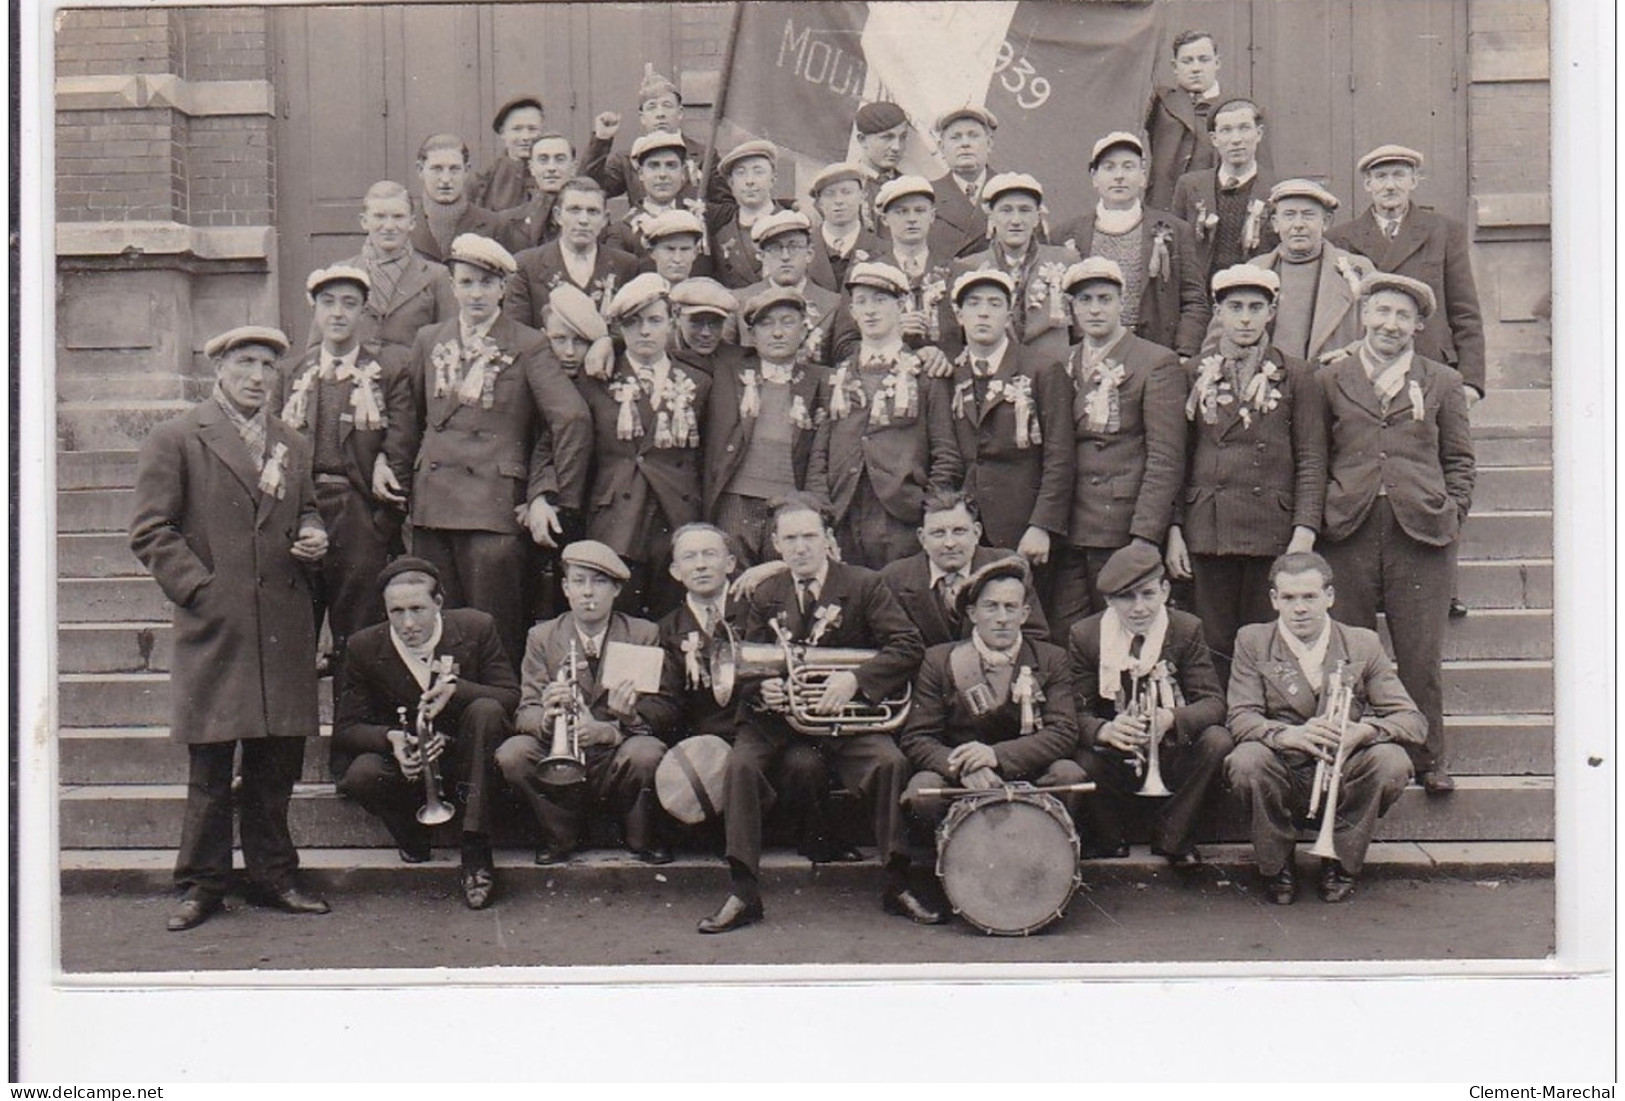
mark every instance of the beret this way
{"type": "Point", "coordinates": [834, 174]}
{"type": "Point", "coordinates": [513, 105]}
{"type": "Point", "coordinates": [778, 224]}
{"type": "Point", "coordinates": [744, 151]}
{"type": "Point", "coordinates": [578, 312]}
{"type": "Point", "coordinates": [638, 292]}
{"type": "Point", "coordinates": [703, 295]}
{"type": "Point", "coordinates": [1091, 267]}
{"type": "Point", "coordinates": [1418, 291]}
{"type": "Point", "coordinates": [968, 111]}
{"type": "Point", "coordinates": [1012, 567]}
{"type": "Point", "coordinates": [883, 277]}
{"type": "Point", "coordinates": [655, 85]}
{"type": "Point", "coordinates": [1128, 566]}
{"type": "Point", "coordinates": [1111, 141]}
{"type": "Point", "coordinates": [895, 189]}
{"type": "Point", "coordinates": [482, 252]}
{"type": "Point", "coordinates": [983, 275]}
{"type": "Point", "coordinates": [1246, 275]}
{"type": "Point", "coordinates": [406, 564]}
{"type": "Point", "coordinates": [1010, 181]}
{"type": "Point", "coordinates": [873, 118]}
{"type": "Point", "coordinates": [657, 139]}
{"type": "Point", "coordinates": [1384, 153]}
{"type": "Point", "coordinates": [246, 334]}
{"type": "Point", "coordinates": [773, 296]}
{"type": "Point", "coordinates": [670, 224]}
{"type": "Point", "coordinates": [595, 556]}
{"type": "Point", "coordinates": [1303, 189]}
{"type": "Point", "coordinates": [338, 273]}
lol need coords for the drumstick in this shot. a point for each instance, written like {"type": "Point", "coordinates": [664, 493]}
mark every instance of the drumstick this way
{"type": "Point", "coordinates": [932, 793]}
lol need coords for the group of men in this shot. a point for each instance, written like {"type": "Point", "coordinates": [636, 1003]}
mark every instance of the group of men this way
{"type": "Point", "coordinates": [977, 449]}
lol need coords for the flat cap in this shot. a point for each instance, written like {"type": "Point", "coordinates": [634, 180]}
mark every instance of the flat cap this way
{"type": "Point", "coordinates": [639, 291]}
{"type": "Point", "coordinates": [482, 252]}
{"type": "Point", "coordinates": [778, 224]}
{"type": "Point", "coordinates": [508, 108]}
{"type": "Point", "coordinates": [773, 296]}
{"type": "Point", "coordinates": [338, 273]}
{"type": "Point", "coordinates": [1012, 567]}
{"type": "Point", "coordinates": [1303, 189]}
{"type": "Point", "coordinates": [1112, 141]}
{"type": "Point", "coordinates": [692, 777]}
{"type": "Point", "coordinates": [744, 151]}
{"type": "Point", "coordinates": [702, 295]}
{"type": "Point", "coordinates": [1010, 181]}
{"type": "Point", "coordinates": [1246, 275]}
{"type": "Point", "coordinates": [883, 277]}
{"type": "Point", "coordinates": [892, 190]}
{"type": "Point", "coordinates": [1382, 154]}
{"type": "Point", "coordinates": [406, 564]}
{"type": "Point", "coordinates": [874, 118]}
{"type": "Point", "coordinates": [572, 306]}
{"type": "Point", "coordinates": [671, 223]}
{"type": "Point", "coordinates": [968, 111]}
{"type": "Point", "coordinates": [1129, 566]}
{"type": "Point", "coordinates": [834, 174]}
{"type": "Point", "coordinates": [654, 85]}
{"type": "Point", "coordinates": [1418, 291]}
{"type": "Point", "coordinates": [246, 334]}
{"type": "Point", "coordinates": [984, 275]}
{"type": "Point", "coordinates": [595, 556]}
{"type": "Point", "coordinates": [656, 140]}
{"type": "Point", "coordinates": [1088, 269]}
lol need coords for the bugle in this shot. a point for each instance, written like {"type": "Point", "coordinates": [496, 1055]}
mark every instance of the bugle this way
{"type": "Point", "coordinates": [565, 765]}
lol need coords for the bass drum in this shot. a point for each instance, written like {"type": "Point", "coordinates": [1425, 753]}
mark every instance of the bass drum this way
{"type": "Point", "coordinates": [1008, 860]}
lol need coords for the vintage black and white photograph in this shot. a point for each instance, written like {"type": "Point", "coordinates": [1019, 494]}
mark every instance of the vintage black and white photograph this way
{"type": "Point", "coordinates": [692, 490]}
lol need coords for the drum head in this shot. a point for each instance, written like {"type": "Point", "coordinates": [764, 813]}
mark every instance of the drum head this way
{"type": "Point", "coordinates": [689, 779]}
{"type": "Point", "coordinates": [1008, 865]}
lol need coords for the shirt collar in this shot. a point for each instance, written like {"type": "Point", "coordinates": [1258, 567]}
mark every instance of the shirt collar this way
{"type": "Point", "coordinates": [818, 578]}
{"type": "Point", "coordinates": [1227, 179]}
{"type": "Point", "coordinates": [475, 332]}
{"type": "Point", "coordinates": [1211, 94]}
{"type": "Point", "coordinates": [994, 358]}
{"type": "Point", "coordinates": [938, 573]}
{"type": "Point", "coordinates": [718, 604]}
{"type": "Point", "coordinates": [348, 359]}
{"type": "Point", "coordinates": [890, 350]}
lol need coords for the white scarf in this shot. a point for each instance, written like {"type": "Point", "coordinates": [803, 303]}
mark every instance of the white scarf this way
{"type": "Point", "coordinates": [1118, 222]}
{"type": "Point", "coordinates": [1115, 641]}
{"type": "Point", "coordinates": [1311, 655]}
{"type": "Point", "coordinates": [1388, 380]}
{"type": "Point", "coordinates": [419, 660]}
{"type": "Point", "coordinates": [996, 659]}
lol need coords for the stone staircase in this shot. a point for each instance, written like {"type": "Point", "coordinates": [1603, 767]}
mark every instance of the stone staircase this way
{"type": "Point", "coordinates": [121, 781]}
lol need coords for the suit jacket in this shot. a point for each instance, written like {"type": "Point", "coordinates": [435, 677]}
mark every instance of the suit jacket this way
{"type": "Point", "coordinates": [1247, 486]}
{"type": "Point", "coordinates": [1268, 691]}
{"type": "Point", "coordinates": [1033, 324]}
{"type": "Point", "coordinates": [825, 311]}
{"type": "Point", "coordinates": [474, 465]}
{"type": "Point", "coordinates": [1426, 464]}
{"type": "Point", "coordinates": [904, 457]}
{"type": "Point", "coordinates": [869, 619]}
{"type": "Point", "coordinates": [530, 225]}
{"type": "Point", "coordinates": [632, 476]}
{"type": "Point", "coordinates": [377, 682]}
{"type": "Point", "coordinates": [547, 650]}
{"type": "Point", "coordinates": [697, 709]}
{"type": "Point", "coordinates": [219, 550]}
{"type": "Point", "coordinates": [422, 297]}
{"type": "Point", "coordinates": [829, 271]}
{"type": "Point", "coordinates": [396, 440]}
{"type": "Point", "coordinates": [474, 219]}
{"type": "Point", "coordinates": [502, 185]}
{"type": "Point", "coordinates": [1174, 308]}
{"type": "Point", "coordinates": [1127, 480]}
{"type": "Point", "coordinates": [1336, 320]}
{"type": "Point", "coordinates": [728, 435]}
{"type": "Point", "coordinates": [1182, 647]}
{"type": "Point", "coordinates": [1200, 189]}
{"type": "Point", "coordinates": [1179, 142]}
{"type": "Point", "coordinates": [910, 581]}
{"type": "Point", "coordinates": [960, 227]}
{"type": "Point", "coordinates": [1016, 487]}
{"type": "Point", "coordinates": [940, 718]}
{"type": "Point", "coordinates": [1434, 249]}
{"type": "Point", "coordinates": [542, 268]}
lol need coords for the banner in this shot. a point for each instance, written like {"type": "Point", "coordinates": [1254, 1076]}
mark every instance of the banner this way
{"type": "Point", "coordinates": [1057, 74]}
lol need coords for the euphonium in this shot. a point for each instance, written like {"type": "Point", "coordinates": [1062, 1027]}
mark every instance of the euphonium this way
{"type": "Point", "coordinates": [806, 670]}
{"type": "Point", "coordinates": [1341, 702]}
{"type": "Point", "coordinates": [566, 762]}
{"type": "Point", "coordinates": [1155, 692]}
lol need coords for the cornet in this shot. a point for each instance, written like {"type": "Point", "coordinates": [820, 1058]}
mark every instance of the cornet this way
{"type": "Point", "coordinates": [1150, 692]}
{"type": "Point", "coordinates": [436, 808]}
{"type": "Point", "coordinates": [566, 763]}
{"type": "Point", "coordinates": [1323, 790]}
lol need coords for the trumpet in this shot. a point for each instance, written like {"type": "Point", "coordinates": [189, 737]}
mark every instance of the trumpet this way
{"type": "Point", "coordinates": [1150, 692]}
{"type": "Point", "coordinates": [565, 765]}
{"type": "Point", "coordinates": [806, 670]}
{"type": "Point", "coordinates": [1328, 780]}
{"type": "Point", "coordinates": [436, 808]}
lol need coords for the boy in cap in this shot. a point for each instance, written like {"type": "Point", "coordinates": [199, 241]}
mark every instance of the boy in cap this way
{"type": "Point", "coordinates": [702, 311]}
{"type": "Point", "coordinates": [784, 246]}
{"type": "Point", "coordinates": [1225, 204]}
{"type": "Point", "coordinates": [1255, 469]}
{"type": "Point", "coordinates": [844, 236]}
{"type": "Point", "coordinates": [965, 143]}
{"type": "Point", "coordinates": [231, 482]}
{"type": "Point", "coordinates": [507, 182]}
{"type": "Point", "coordinates": [506, 442]}
{"type": "Point", "coordinates": [660, 109]}
{"type": "Point", "coordinates": [658, 157]}
{"type": "Point", "coordinates": [1139, 649]}
{"type": "Point", "coordinates": [1176, 124]}
{"type": "Point", "coordinates": [574, 329]}
{"type": "Point", "coordinates": [447, 212]}
{"type": "Point", "coordinates": [674, 246]}
{"type": "Point", "coordinates": [887, 437]}
{"type": "Point", "coordinates": [751, 175]}
{"type": "Point", "coordinates": [446, 666]}
{"type": "Point", "coordinates": [576, 257]}
{"type": "Point", "coordinates": [552, 165]}
{"type": "Point", "coordinates": [881, 132]}
{"type": "Point", "coordinates": [619, 730]}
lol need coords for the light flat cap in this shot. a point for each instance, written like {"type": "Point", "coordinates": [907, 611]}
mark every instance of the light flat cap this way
{"type": "Point", "coordinates": [991, 276]}
{"type": "Point", "coordinates": [639, 291]}
{"type": "Point", "coordinates": [1303, 189]}
{"type": "Point", "coordinates": [246, 334]}
{"type": "Point", "coordinates": [571, 305]}
{"type": "Point", "coordinates": [338, 273]}
{"type": "Point", "coordinates": [968, 111]}
{"type": "Point", "coordinates": [902, 186]}
{"type": "Point", "coordinates": [773, 296]}
{"type": "Point", "coordinates": [744, 151]}
{"type": "Point", "coordinates": [884, 277]}
{"type": "Point", "coordinates": [512, 105]}
{"type": "Point", "coordinates": [671, 223]}
{"type": "Point", "coordinates": [596, 556]}
{"type": "Point", "coordinates": [1382, 154]}
{"type": "Point", "coordinates": [1246, 275]}
{"type": "Point", "coordinates": [1418, 291]}
{"type": "Point", "coordinates": [778, 224]}
{"type": "Point", "coordinates": [834, 174]}
{"type": "Point", "coordinates": [656, 140]}
{"type": "Point", "coordinates": [702, 295]}
{"type": "Point", "coordinates": [482, 252]}
{"type": "Point", "coordinates": [1112, 141]}
{"type": "Point", "coordinates": [1006, 182]}
{"type": "Point", "coordinates": [1089, 269]}
{"type": "Point", "coordinates": [875, 118]}
{"type": "Point", "coordinates": [1129, 566]}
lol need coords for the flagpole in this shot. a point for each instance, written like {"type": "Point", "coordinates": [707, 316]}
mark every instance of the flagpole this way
{"type": "Point", "coordinates": [722, 86]}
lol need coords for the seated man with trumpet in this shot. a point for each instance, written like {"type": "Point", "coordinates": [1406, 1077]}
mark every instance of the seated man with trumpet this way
{"type": "Point", "coordinates": [1150, 709]}
{"type": "Point", "coordinates": [580, 740]}
{"type": "Point", "coordinates": [426, 699]}
{"type": "Point", "coordinates": [827, 658]}
{"type": "Point", "coordinates": [1322, 723]}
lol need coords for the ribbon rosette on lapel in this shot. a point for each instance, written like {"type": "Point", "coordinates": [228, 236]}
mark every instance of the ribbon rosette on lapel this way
{"type": "Point", "coordinates": [696, 207]}
{"type": "Point", "coordinates": [826, 617]}
{"type": "Point", "coordinates": [272, 478]}
{"type": "Point", "coordinates": [964, 391]}
{"type": "Point", "coordinates": [366, 395]}
{"type": "Point", "coordinates": [1252, 229]}
{"type": "Point", "coordinates": [1205, 394]}
{"type": "Point", "coordinates": [694, 669]}
{"type": "Point", "coordinates": [812, 345]}
{"type": "Point", "coordinates": [1101, 403]}
{"type": "Point", "coordinates": [1025, 691]}
{"type": "Point", "coordinates": [675, 423]}
{"type": "Point", "coordinates": [799, 417]}
{"type": "Point", "coordinates": [899, 393]}
{"type": "Point", "coordinates": [1417, 412]}
{"type": "Point", "coordinates": [628, 425]}
{"type": "Point", "coordinates": [1206, 221]}
{"type": "Point", "coordinates": [1160, 266]}
{"type": "Point", "coordinates": [636, 220]}
{"type": "Point", "coordinates": [296, 411]}
{"type": "Point", "coordinates": [750, 397]}
{"type": "Point", "coordinates": [485, 363]}
{"type": "Point", "coordinates": [730, 248]}
{"type": "Point", "coordinates": [602, 292]}
{"type": "Point", "coordinates": [933, 289]}
{"type": "Point", "coordinates": [1350, 276]}
{"type": "Point", "coordinates": [448, 362]}
{"type": "Point", "coordinates": [1045, 290]}
{"type": "Point", "coordinates": [1019, 392]}
{"type": "Point", "coordinates": [1262, 393]}
{"type": "Point", "coordinates": [846, 392]}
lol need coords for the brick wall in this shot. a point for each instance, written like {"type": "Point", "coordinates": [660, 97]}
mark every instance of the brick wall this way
{"type": "Point", "coordinates": [230, 171]}
{"type": "Point", "coordinates": [126, 40]}
{"type": "Point", "coordinates": [224, 44]}
{"type": "Point", "coordinates": [116, 166]}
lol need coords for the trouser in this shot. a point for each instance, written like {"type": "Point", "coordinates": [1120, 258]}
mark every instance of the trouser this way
{"type": "Point", "coordinates": [1381, 567]}
{"type": "Point", "coordinates": [1074, 583]}
{"type": "Point", "coordinates": [484, 570]}
{"type": "Point", "coordinates": [1232, 590]}
{"type": "Point", "coordinates": [466, 770]}
{"type": "Point", "coordinates": [1187, 769]}
{"type": "Point", "coordinates": [1273, 789]}
{"type": "Point", "coordinates": [345, 587]}
{"type": "Point", "coordinates": [748, 523]}
{"type": "Point", "coordinates": [270, 768]}
{"type": "Point", "coordinates": [621, 778]}
{"type": "Point", "coordinates": [930, 810]}
{"type": "Point", "coordinates": [871, 536]}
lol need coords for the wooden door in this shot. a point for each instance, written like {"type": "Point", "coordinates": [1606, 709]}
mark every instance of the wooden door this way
{"type": "Point", "coordinates": [1301, 66]}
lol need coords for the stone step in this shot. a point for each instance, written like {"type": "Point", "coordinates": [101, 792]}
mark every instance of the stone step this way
{"type": "Point", "coordinates": [95, 469]}
{"type": "Point", "coordinates": [139, 816]}
{"type": "Point", "coordinates": [95, 386]}
{"type": "Point", "coordinates": [1497, 687]}
{"type": "Point", "coordinates": [1500, 745]}
{"type": "Point", "coordinates": [96, 554]}
{"type": "Point", "coordinates": [1511, 534]}
{"type": "Point", "coordinates": [1512, 583]}
{"type": "Point", "coordinates": [104, 510]}
{"type": "Point", "coordinates": [114, 647]}
{"type": "Point", "coordinates": [111, 425]}
{"type": "Point", "coordinates": [1493, 451]}
{"type": "Point", "coordinates": [1514, 488]}
{"type": "Point", "coordinates": [133, 699]}
{"type": "Point", "coordinates": [1493, 633]}
{"type": "Point", "coordinates": [111, 600]}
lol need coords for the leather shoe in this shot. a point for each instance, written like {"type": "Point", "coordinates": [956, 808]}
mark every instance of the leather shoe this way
{"type": "Point", "coordinates": [414, 856]}
{"type": "Point", "coordinates": [479, 884]}
{"type": "Point", "coordinates": [1282, 887]}
{"type": "Point", "coordinates": [1438, 782]}
{"type": "Point", "coordinates": [824, 851]}
{"type": "Point", "coordinates": [1188, 859]}
{"type": "Point", "coordinates": [734, 913]}
{"type": "Point", "coordinates": [1335, 884]}
{"type": "Point", "coordinates": [906, 903]}
{"type": "Point", "coordinates": [292, 900]}
{"type": "Point", "coordinates": [192, 912]}
{"type": "Point", "coordinates": [549, 857]}
{"type": "Point", "coordinates": [653, 855]}
{"type": "Point", "coordinates": [1107, 852]}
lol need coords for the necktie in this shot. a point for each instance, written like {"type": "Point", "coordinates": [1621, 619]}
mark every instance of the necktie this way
{"type": "Point", "coordinates": [708, 618]}
{"type": "Point", "coordinates": [806, 592]}
{"type": "Point", "coordinates": [589, 649]}
{"type": "Point", "coordinates": [982, 367]}
{"type": "Point", "coordinates": [971, 191]}
{"type": "Point", "coordinates": [948, 588]}
{"type": "Point", "coordinates": [1390, 230]}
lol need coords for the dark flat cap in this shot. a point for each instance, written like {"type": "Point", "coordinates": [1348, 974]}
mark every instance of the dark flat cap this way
{"type": "Point", "coordinates": [1012, 567]}
{"type": "Point", "coordinates": [873, 118]}
{"type": "Point", "coordinates": [406, 564]}
{"type": "Point", "coordinates": [513, 105]}
{"type": "Point", "coordinates": [1128, 566]}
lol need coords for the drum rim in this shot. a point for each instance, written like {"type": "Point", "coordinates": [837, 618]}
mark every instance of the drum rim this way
{"type": "Point", "coordinates": [965, 807]}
